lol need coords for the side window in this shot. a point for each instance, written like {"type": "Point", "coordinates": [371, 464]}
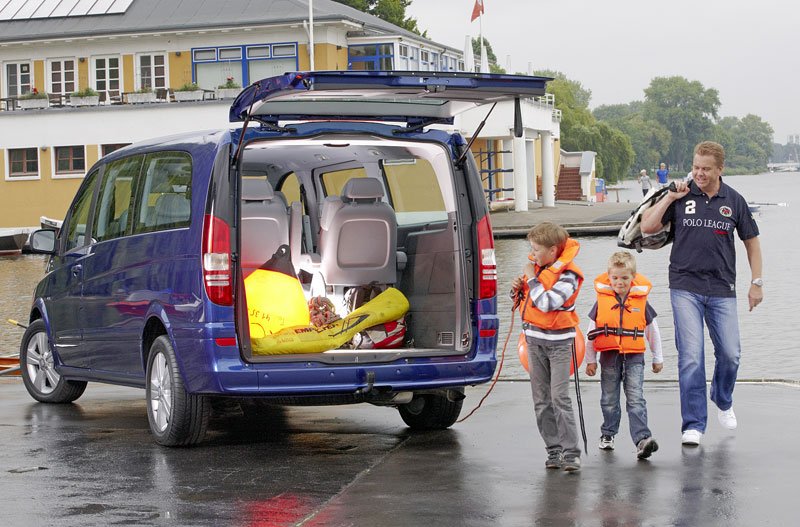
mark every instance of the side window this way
{"type": "Point", "coordinates": [333, 182]}
{"type": "Point", "coordinates": [414, 191]}
{"type": "Point", "coordinates": [114, 202]}
{"type": "Point", "coordinates": [290, 187]}
{"type": "Point", "coordinates": [165, 195]}
{"type": "Point", "coordinates": [79, 219]}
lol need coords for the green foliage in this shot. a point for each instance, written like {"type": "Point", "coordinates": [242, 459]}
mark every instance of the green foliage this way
{"type": "Point", "coordinates": [86, 92]}
{"type": "Point", "coordinates": [189, 86]}
{"type": "Point", "coordinates": [686, 109]}
{"type": "Point", "coordinates": [581, 131]}
{"type": "Point", "coordinates": [230, 84]}
{"type": "Point", "coordinates": [33, 95]}
{"type": "Point", "coordinates": [145, 89]}
{"type": "Point", "coordinates": [747, 142]}
{"type": "Point", "coordinates": [392, 11]}
{"type": "Point", "coordinates": [649, 139]}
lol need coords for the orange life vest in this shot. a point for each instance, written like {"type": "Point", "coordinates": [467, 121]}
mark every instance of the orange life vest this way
{"type": "Point", "coordinates": [565, 316]}
{"type": "Point", "coordinates": [630, 316]}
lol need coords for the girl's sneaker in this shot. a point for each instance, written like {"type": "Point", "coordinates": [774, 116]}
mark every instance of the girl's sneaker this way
{"type": "Point", "coordinates": [606, 442]}
{"type": "Point", "coordinates": [646, 447]}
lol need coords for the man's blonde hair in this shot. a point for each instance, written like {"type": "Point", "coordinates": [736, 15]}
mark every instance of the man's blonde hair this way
{"type": "Point", "coordinates": [549, 234]}
{"type": "Point", "coordinates": [710, 148]}
{"type": "Point", "coordinates": [622, 259]}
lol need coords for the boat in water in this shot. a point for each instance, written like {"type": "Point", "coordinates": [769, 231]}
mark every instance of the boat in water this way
{"type": "Point", "coordinates": [12, 241]}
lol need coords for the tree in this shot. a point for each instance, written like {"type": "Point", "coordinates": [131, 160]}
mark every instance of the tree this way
{"type": "Point", "coordinates": [686, 109]}
{"type": "Point", "coordinates": [581, 131]}
{"type": "Point", "coordinates": [392, 11]}
{"type": "Point", "coordinates": [492, 58]}
{"type": "Point", "coordinates": [747, 142]}
{"type": "Point", "coordinates": [650, 140]}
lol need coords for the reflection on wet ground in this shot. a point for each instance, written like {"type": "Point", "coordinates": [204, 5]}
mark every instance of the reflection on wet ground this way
{"type": "Point", "coordinates": [94, 463]}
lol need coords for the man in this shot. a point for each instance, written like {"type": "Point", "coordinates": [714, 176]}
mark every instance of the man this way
{"type": "Point", "coordinates": [702, 278]}
{"type": "Point", "coordinates": [644, 180]}
{"type": "Point", "coordinates": [663, 175]}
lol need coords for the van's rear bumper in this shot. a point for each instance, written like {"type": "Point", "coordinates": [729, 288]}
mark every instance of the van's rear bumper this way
{"type": "Point", "coordinates": [213, 369]}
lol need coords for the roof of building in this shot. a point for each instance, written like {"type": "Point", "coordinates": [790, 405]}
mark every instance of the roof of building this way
{"type": "Point", "coordinates": [148, 16]}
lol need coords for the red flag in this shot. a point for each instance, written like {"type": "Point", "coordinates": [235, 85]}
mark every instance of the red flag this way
{"type": "Point", "coordinates": [477, 10]}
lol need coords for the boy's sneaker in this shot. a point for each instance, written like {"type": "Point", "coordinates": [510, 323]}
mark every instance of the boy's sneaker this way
{"type": "Point", "coordinates": [727, 418]}
{"type": "Point", "coordinates": [646, 447]}
{"type": "Point", "coordinates": [572, 463]}
{"type": "Point", "coordinates": [606, 442]}
{"type": "Point", "coordinates": [554, 459]}
{"type": "Point", "coordinates": [691, 437]}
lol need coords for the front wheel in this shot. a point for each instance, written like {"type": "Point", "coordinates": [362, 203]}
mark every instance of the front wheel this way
{"type": "Point", "coordinates": [38, 370]}
{"type": "Point", "coordinates": [177, 418]}
{"type": "Point", "coordinates": [431, 412]}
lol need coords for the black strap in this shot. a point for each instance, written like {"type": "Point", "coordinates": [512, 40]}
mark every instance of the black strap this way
{"type": "Point", "coordinates": [617, 332]}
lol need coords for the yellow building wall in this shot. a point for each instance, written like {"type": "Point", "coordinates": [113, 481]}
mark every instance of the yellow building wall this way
{"type": "Point", "coordinates": [50, 197]}
{"type": "Point", "coordinates": [326, 57]}
{"type": "Point", "coordinates": [128, 74]}
{"type": "Point", "coordinates": [83, 74]}
{"type": "Point", "coordinates": [180, 69]}
{"type": "Point", "coordinates": [39, 76]}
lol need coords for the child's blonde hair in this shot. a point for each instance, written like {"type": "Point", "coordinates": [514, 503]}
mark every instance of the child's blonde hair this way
{"type": "Point", "coordinates": [549, 234]}
{"type": "Point", "coordinates": [623, 259]}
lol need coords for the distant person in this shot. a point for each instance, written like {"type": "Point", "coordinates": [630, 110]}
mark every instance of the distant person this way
{"type": "Point", "coordinates": [548, 288]}
{"type": "Point", "coordinates": [621, 321]}
{"type": "Point", "coordinates": [645, 181]}
{"type": "Point", "coordinates": [663, 175]}
{"type": "Point", "coordinates": [702, 281]}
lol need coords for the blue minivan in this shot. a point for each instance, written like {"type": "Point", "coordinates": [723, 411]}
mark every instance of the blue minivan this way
{"type": "Point", "coordinates": [355, 177]}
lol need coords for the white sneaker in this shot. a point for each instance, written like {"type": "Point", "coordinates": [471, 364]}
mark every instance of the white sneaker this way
{"type": "Point", "coordinates": [691, 437]}
{"type": "Point", "coordinates": [727, 418]}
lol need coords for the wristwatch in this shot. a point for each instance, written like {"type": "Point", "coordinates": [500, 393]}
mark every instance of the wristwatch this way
{"type": "Point", "coordinates": [758, 282]}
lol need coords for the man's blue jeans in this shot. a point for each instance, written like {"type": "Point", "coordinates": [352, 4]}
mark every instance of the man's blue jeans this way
{"type": "Point", "coordinates": [690, 311]}
{"type": "Point", "coordinates": [626, 370]}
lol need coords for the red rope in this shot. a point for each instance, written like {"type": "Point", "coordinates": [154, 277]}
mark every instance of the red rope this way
{"type": "Point", "coordinates": [499, 368]}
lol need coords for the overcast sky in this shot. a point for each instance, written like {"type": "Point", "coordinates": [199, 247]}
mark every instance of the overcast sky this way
{"type": "Point", "coordinates": [749, 50]}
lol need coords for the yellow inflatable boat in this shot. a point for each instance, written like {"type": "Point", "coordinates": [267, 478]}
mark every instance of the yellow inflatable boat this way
{"type": "Point", "coordinates": [389, 305]}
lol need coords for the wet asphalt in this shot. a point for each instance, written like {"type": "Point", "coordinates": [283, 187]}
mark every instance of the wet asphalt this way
{"type": "Point", "coordinates": [93, 463]}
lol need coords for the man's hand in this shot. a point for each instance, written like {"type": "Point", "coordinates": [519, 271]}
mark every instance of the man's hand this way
{"type": "Point", "coordinates": [657, 367]}
{"type": "Point", "coordinates": [755, 296]}
{"type": "Point", "coordinates": [591, 369]}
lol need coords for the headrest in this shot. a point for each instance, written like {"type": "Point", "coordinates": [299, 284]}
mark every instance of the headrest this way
{"type": "Point", "coordinates": [256, 189]}
{"type": "Point", "coordinates": [362, 188]}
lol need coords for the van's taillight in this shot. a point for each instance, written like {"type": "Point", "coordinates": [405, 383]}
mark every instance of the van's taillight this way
{"type": "Point", "coordinates": [217, 261]}
{"type": "Point", "coordinates": [488, 265]}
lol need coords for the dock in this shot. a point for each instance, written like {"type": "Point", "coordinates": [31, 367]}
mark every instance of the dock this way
{"type": "Point", "coordinates": [580, 218]}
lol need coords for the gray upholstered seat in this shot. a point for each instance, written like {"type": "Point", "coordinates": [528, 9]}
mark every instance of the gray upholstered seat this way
{"type": "Point", "coordinates": [358, 236]}
{"type": "Point", "coordinates": [265, 223]}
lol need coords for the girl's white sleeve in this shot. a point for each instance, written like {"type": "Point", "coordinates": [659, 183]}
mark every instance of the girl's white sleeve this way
{"type": "Point", "coordinates": [653, 336]}
{"type": "Point", "coordinates": [591, 354]}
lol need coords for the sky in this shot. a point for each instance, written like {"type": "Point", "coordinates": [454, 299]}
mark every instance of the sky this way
{"type": "Point", "coordinates": [749, 51]}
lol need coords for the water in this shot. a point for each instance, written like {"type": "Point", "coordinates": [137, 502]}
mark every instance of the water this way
{"type": "Point", "coordinates": [769, 334]}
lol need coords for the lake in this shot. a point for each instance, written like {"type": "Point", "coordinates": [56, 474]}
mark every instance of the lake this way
{"type": "Point", "coordinates": [768, 348]}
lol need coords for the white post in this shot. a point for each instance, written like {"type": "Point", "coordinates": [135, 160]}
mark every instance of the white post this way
{"type": "Point", "coordinates": [548, 172]}
{"type": "Point", "coordinates": [530, 155]}
{"type": "Point", "coordinates": [311, 34]}
{"type": "Point", "coordinates": [520, 173]}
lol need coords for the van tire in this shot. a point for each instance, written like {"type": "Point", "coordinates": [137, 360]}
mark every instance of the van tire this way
{"type": "Point", "coordinates": [176, 417]}
{"type": "Point", "coordinates": [37, 366]}
{"type": "Point", "coordinates": [430, 412]}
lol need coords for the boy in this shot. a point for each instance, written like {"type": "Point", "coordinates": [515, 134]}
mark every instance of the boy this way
{"type": "Point", "coordinates": [548, 289]}
{"type": "Point", "coordinates": [622, 319]}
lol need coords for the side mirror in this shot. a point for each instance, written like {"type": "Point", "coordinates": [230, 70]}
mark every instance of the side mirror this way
{"type": "Point", "coordinates": [517, 118]}
{"type": "Point", "coordinates": [43, 241]}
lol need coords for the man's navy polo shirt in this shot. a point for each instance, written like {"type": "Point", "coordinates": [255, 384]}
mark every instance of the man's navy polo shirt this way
{"type": "Point", "coordinates": [703, 257]}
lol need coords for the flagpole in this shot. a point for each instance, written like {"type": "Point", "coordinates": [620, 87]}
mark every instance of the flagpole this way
{"type": "Point", "coordinates": [480, 40]}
